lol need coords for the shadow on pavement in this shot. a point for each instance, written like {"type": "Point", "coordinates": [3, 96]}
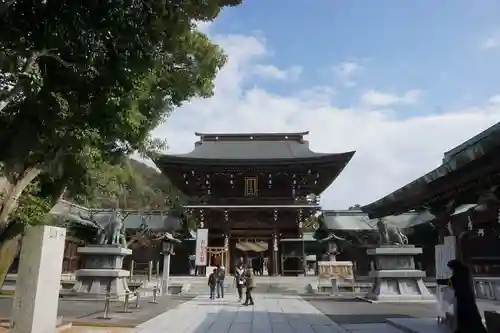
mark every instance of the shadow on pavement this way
{"type": "Point", "coordinates": [88, 312]}
{"type": "Point", "coordinates": [354, 311]}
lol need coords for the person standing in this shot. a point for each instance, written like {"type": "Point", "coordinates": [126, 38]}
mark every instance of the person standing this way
{"type": "Point", "coordinates": [249, 284]}
{"type": "Point", "coordinates": [221, 275]}
{"type": "Point", "coordinates": [238, 280]}
{"type": "Point", "coordinates": [212, 282]}
{"type": "Point", "coordinates": [468, 317]}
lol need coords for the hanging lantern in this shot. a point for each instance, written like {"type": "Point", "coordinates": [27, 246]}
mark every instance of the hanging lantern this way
{"type": "Point", "coordinates": [202, 219]}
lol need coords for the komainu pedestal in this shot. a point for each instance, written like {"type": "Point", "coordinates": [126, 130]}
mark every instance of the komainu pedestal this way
{"type": "Point", "coordinates": [102, 271]}
{"type": "Point", "coordinates": [395, 278]}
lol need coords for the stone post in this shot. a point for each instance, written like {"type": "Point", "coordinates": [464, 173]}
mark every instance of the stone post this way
{"type": "Point", "coordinates": [166, 273]}
{"type": "Point", "coordinates": [132, 269]}
{"type": "Point", "coordinates": [39, 280]}
{"type": "Point", "coordinates": [150, 270]}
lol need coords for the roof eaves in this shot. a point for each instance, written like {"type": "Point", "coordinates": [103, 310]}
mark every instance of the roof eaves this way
{"type": "Point", "coordinates": [339, 158]}
{"type": "Point", "coordinates": [489, 140]}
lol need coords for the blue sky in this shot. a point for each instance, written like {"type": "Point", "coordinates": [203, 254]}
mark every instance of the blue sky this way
{"type": "Point", "coordinates": [424, 44]}
{"type": "Point", "coordinates": [400, 82]}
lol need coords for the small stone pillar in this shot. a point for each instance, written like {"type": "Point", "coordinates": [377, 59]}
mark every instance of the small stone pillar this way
{"type": "Point", "coordinates": [39, 280]}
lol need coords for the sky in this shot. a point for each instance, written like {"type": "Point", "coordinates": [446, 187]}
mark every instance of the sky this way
{"type": "Point", "coordinates": [399, 82]}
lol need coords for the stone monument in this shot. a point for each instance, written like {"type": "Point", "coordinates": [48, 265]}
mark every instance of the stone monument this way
{"type": "Point", "coordinates": [39, 280]}
{"type": "Point", "coordinates": [395, 278]}
{"type": "Point", "coordinates": [103, 262]}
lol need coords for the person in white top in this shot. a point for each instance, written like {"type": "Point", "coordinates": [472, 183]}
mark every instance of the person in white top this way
{"type": "Point", "coordinates": [238, 280]}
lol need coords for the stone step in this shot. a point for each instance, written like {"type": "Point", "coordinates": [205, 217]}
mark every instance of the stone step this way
{"type": "Point", "coordinates": [372, 328]}
{"type": "Point", "coordinates": [417, 325]}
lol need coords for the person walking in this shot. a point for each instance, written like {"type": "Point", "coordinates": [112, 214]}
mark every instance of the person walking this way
{"type": "Point", "coordinates": [212, 282]}
{"type": "Point", "coordinates": [468, 317]}
{"type": "Point", "coordinates": [249, 284]}
{"type": "Point", "coordinates": [221, 275]}
{"type": "Point", "coordinates": [238, 280]}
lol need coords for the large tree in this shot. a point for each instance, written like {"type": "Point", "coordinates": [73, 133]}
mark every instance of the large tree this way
{"type": "Point", "coordinates": [85, 82]}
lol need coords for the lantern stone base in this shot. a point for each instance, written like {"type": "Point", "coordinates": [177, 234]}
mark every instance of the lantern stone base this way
{"type": "Point", "coordinates": [102, 272]}
{"type": "Point", "coordinates": [395, 278]}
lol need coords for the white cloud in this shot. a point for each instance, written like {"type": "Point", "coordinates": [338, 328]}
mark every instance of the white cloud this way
{"type": "Point", "coordinates": [390, 152]}
{"type": "Point", "coordinates": [491, 42]}
{"type": "Point", "coordinates": [273, 72]}
{"type": "Point", "coordinates": [345, 72]}
{"type": "Point", "coordinates": [494, 100]}
{"type": "Point", "coordinates": [380, 99]}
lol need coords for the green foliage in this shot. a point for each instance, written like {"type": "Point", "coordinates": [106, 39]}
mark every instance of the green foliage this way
{"type": "Point", "coordinates": [83, 83]}
{"type": "Point", "coordinates": [32, 208]}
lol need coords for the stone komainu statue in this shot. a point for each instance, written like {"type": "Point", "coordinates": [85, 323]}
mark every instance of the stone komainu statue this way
{"type": "Point", "coordinates": [114, 232]}
{"type": "Point", "coordinates": [389, 235]}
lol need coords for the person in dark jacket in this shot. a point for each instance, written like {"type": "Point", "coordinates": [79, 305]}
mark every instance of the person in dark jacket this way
{"type": "Point", "coordinates": [467, 314]}
{"type": "Point", "coordinates": [212, 283]}
{"type": "Point", "coordinates": [249, 284]}
{"type": "Point", "coordinates": [221, 275]}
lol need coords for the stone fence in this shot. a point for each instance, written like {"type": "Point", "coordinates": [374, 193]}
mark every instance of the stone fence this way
{"type": "Point", "coordinates": [487, 287]}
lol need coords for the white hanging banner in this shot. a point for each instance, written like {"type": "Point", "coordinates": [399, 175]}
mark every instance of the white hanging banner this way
{"type": "Point", "coordinates": [201, 247]}
{"type": "Point", "coordinates": [443, 254]}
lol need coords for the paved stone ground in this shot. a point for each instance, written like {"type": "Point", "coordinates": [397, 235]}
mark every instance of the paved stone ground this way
{"type": "Point", "coordinates": [271, 313]}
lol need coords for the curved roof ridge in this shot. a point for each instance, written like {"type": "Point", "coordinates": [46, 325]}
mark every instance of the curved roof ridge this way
{"type": "Point", "coordinates": [256, 134]}
{"type": "Point", "coordinates": [296, 136]}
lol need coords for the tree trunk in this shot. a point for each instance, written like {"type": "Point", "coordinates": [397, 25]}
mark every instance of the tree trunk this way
{"type": "Point", "coordinates": [8, 252]}
{"type": "Point", "coordinates": [12, 193]}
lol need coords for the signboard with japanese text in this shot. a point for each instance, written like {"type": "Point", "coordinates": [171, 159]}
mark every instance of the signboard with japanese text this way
{"type": "Point", "coordinates": [343, 269]}
{"type": "Point", "coordinates": [201, 247]}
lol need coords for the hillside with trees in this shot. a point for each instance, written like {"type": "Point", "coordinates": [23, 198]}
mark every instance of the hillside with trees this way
{"type": "Point", "coordinates": [130, 184]}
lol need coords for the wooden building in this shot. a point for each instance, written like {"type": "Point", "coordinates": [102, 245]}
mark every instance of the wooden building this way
{"type": "Point", "coordinates": [462, 195]}
{"type": "Point", "coordinates": [253, 191]}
